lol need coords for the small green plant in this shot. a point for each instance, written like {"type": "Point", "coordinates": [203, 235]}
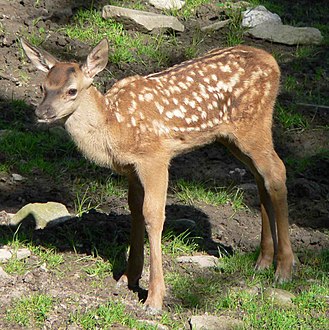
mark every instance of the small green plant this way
{"type": "Point", "coordinates": [30, 311]}
{"type": "Point", "coordinates": [175, 245]}
{"type": "Point", "coordinates": [191, 192]}
{"type": "Point", "coordinates": [188, 10]}
{"type": "Point", "coordinates": [99, 269]}
{"type": "Point", "coordinates": [48, 256]}
{"type": "Point", "coordinates": [84, 203]}
{"type": "Point", "coordinates": [291, 120]}
{"type": "Point", "coordinates": [234, 34]}
{"type": "Point", "coordinates": [108, 315]}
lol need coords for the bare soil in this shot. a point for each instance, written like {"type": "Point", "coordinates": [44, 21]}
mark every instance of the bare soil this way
{"type": "Point", "coordinates": [218, 226]}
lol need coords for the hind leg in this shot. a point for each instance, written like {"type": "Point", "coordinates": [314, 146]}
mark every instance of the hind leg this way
{"type": "Point", "coordinates": [270, 176]}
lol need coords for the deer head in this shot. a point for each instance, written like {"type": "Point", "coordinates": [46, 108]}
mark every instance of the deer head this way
{"type": "Point", "coordinates": [65, 83]}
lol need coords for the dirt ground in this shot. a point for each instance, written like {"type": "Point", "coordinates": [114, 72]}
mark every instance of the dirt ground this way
{"type": "Point", "coordinates": [218, 226]}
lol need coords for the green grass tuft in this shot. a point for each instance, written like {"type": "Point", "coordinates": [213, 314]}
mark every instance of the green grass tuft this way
{"type": "Point", "coordinates": [192, 192]}
{"type": "Point", "coordinates": [30, 311]}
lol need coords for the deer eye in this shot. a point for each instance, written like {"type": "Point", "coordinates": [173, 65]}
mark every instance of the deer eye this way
{"type": "Point", "coordinates": [72, 92]}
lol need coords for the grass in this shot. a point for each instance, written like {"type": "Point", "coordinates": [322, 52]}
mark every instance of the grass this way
{"type": "Point", "coordinates": [89, 26]}
{"type": "Point", "coordinates": [30, 311]}
{"type": "Point", "coordinates": [290, 119]}
{"type": "Point", "coordinates": [106, 316]}
{"type": "Point", "coordinates": [181, 244]}
{"type": "Point", "coordinates": [29, 151]}
{"type": "Point", "coordinates": [222, 292]}
{"type": "Point", "coordinates": [193, 192]}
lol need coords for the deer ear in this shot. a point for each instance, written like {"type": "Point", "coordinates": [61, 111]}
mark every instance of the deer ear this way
{"type": "Point", "coordinates": [40, 58]}
{"type": "Point", "coordinates": [96, 60]}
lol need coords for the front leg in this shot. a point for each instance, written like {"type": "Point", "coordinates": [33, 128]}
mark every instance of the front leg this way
{"type": "Point", "coordinates": [154, 178]}
{"type": "Point", "coordinates": [136, 253]}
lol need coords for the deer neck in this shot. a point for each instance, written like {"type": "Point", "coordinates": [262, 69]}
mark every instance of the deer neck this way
{"type": "Point", "coordinates": [89, 129]}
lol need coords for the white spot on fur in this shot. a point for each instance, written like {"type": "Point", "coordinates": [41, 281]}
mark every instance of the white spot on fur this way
{"type": "Point", "coordinates": [169, 114]}
{"type": "Point", "coordinates": [214, 77]}
{"type": "Point", "coordinates": [165, 101]}
{"type": "Point", "coordinates": [182, 85]}
{"type": "Point", "coordinates": [203, 126]}
{"type": "Point", "coordinates": [190, 79]}
{"type": "Point", "coordinates": [210, 124]}
{"type": "Point", "coordinates": [216, 121]}
{"type": "Point", "coordinates": [159, 107]}
{"type": "Point", "coordinates": [206, 80]}
{"type": "Point", "coordinates": [203, 115]}
{"type": "Point", "coordinates": [225, 68]}
{"type": "Point", "coordinates": [133, 121]}
{"type": "Point", "coordinates": [175, 101]}
{"type": "Point", "coordinates": [182, 108]}
{"type": "Point", "coordinates": [132, 94]}
{"type": "Point", "coordinates": [192, 104]}
{"type": "Point", "coordinates": [149, 97]}
{"type": "Point", "coordinates": [177, 113]}
{"type": "Point", "coordinates": [188, 120]}
{"type": "Point", "coordinates": [141, 97]}
{"type": "Point", "coordinates": [119, 117]}
{"type": "Point", "coordinates": [194, 118]}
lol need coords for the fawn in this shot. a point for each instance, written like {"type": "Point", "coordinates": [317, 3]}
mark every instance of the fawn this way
{"type": "Point", "coordinates": [142, 122]}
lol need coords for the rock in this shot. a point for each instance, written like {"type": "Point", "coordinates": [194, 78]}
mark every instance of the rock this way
{"type": "Point", "coordinates": [167, 4]}
{"type": "Point", "coordinates": [201, 261]}
{"type": "Point", "coordinates": [5, 254]}
{"type": "Point", "coordinates": [45, 214]}
{"type": "Point", "coordinates": [286, 34]}
{"type": "Point", "coordinates": [17, 177]}
{"type": "Point", "coordinates": [5, 278]}
{"type": "Point", "coordinates": [215, 26]}
{"type": "Point", "coordinates": [211, 322]}
{"type": "Point", "coordinates": [141, 20]}
{"type": "Point", "coordinates": [23, 253]}
{"type": "Point", "coordinates": [279, 297]}
{"type": "Point", "coordinates": [259, 15]}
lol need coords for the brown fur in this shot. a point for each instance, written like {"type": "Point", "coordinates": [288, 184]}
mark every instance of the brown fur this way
{"type": "Point", "coordinates": [143, 122]}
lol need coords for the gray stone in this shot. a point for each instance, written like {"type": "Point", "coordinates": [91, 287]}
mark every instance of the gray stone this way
{"type": "Point", "coordinates": [201, 261]}
{"type": "Point", "coordinates": [45, 214]}
{"type": "Point", "coordinates": [17, 177]}
{"type": "Point", "coordinates": [5, 254]}
{"type": "Point", "coordinates": [211, 322]}
{"type": "Point", "coordinates": [286, 34]}
{"type": "Point", "coordinates": [23, 253]}
{"type": "Point", "coordinates": [4, 277]}
{"type": "Point", "coordinates": [167, 4]}
{"type": "Point", "coordinates": [259, 15]}
{"type": "Point", "coordinates": [215, 26]}
{"type": "Point", "coordinates": [141, 20]}
{"type": "Point", "coordinates": [279, 297]}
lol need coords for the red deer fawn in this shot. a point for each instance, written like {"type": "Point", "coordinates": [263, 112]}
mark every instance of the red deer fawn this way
{"type": "Point", "coordinates": [141, 123]}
